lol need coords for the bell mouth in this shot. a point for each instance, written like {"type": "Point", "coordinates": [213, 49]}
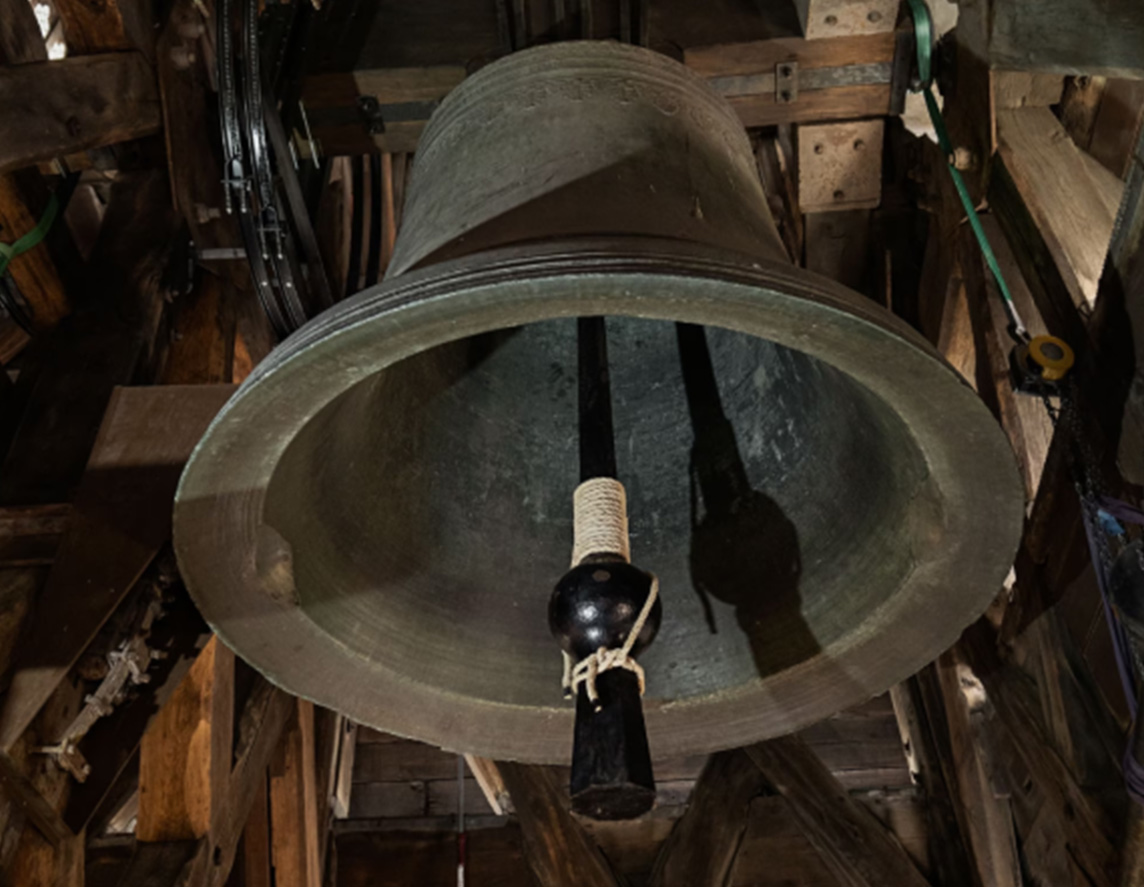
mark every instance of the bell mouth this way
{"type": "Point", "coordinates": [378, 516]}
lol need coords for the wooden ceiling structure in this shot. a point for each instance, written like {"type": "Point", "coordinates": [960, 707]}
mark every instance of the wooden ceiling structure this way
{"type": "Point", "coordinates": [998, 765]}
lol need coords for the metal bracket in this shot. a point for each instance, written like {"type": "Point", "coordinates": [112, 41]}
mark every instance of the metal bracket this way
{"type": "Point", "coordinates": [786, 82]}
{"type": "Point", "coordinates": [375, 115]}
{"type": "Point", "coordinates": [370, 109]}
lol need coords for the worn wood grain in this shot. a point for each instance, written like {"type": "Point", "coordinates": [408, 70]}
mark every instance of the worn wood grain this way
{"type": "Point", "coordinates": [60, 107]}
{"type": "Point", "coordinates": [1072, 198]}
{"type": "Point", "coordinates": [558, 850]}
{"type": "Point", "coordinates": [184, 759]}
{"type": "Point", "coordinates": [294, 804]}
{"type": "Point", "coordinates": [121, 518]}
{"type": "Point", "coordinates": [856, 847]}
{"type": "Point", "coordinates": [106, 25]}
{"type": "Point", "coordinates": [20, 38]}
{"type": "Point", "coordinates": [34, 271]}
{"type": "Point", "coordinates": [1068, 36]}
{"type": "Point", "coordinates": [702, 847]}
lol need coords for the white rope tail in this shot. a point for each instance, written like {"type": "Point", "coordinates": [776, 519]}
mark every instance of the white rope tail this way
{"type": "Point", "coordinates": [600, 526]}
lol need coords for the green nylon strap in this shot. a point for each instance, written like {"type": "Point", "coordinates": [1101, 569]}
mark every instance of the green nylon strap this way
{"type": "Point", "coordinates": [923, 33]}
{"type": "Point", "coordinates": [9, 251]}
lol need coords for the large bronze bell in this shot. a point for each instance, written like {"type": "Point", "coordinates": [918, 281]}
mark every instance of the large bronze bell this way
{"type": "Point", "coordinates": [377, 517]}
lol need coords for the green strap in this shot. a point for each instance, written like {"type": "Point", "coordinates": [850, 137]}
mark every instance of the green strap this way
{"type": "Point", "coordinates": [923, 33]}
{"type": "Point", "coordinates": [9, 251]}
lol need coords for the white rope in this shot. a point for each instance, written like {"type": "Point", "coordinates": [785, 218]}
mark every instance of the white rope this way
{"type": "Point", "coordinates": [600, 520]}
{"type": "Point", "coordinates": [600, 526]}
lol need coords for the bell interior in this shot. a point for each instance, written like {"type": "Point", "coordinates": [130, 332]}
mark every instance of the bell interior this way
{"type": "Point", "coordinates": [428, 507]}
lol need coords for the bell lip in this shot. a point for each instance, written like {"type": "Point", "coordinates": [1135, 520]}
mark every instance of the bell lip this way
{"type": "Point", "coordinates": [220, 494]}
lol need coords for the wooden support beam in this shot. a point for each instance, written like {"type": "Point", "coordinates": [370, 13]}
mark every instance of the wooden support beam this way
{"type": "Point", "coordinates": [859, 850]}
{"type": "Point", "coordinates": [294, 804]}
{"type": "Point", "coordinates": [1067, 36]}
{"type": "Point", "coordinates": [184, 759]}
{"type": "Point", "coordinates": [559, 851]}
{"type": "Point", "coordinates": [20, 38]}
{"type": "Point", "coordinates": [61, 107]}
{"type": "Point", "coordinates": [701, 849]}
{"type": "Point", "coordinates": [927, 749]}
{"type": "Point", "coordinates": [839, 79]}
{"type": "Point", "coordinates": [1073, 199]}
{"type": "Point", "coordinates": [121, 518]}
{"type": "Point", "coordinates": [1066, 834]}
{"type": "Point", "coordinates": [33, 272]}
{"type": "Point", "coordinates": [208, 861]}
{"type": "Point", "coordinates": [30, 535]}
{"type": "Point", "coordinates": [257, 858]}
{"type": "Point", "coordinates": [488, 777]}
{"type": "Point", "coordinates": [108, 26]}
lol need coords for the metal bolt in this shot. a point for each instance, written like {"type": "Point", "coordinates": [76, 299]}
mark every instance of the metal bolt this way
{"type": "Point", "coordinates": [859, 144]}
{"type": "Point", "coordinates": [785, 70]}
{"type": "Point", "coordinates": [839, 194]}
{"type": "Point", "coordinates": [831, 19]}
{"type": "Point", "coordinates": [818, 149]}
{"type": "Point", "coordinates": [785, 95]}
{"type": "Point", "coordinates": [874, 16]}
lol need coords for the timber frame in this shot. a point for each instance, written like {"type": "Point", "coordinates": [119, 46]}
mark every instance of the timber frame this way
{"type": "Point", "coordinates": [1008, 747]}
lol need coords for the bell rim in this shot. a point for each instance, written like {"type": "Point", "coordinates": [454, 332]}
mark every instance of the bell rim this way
{"type": "Point", "coordinates": [511, 283]}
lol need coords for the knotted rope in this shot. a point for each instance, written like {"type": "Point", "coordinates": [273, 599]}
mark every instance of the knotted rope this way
{"type": "Point", "coordinates": [600, 526]}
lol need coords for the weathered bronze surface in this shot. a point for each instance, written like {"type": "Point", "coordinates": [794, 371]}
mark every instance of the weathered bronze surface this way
{"type": "Point", "coordinates": [377, 517]}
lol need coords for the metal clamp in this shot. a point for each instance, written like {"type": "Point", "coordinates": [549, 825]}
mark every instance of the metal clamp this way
{"type": "Point", "coordinates": [786, 82]}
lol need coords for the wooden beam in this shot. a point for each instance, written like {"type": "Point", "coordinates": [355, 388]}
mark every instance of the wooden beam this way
{"type": "Point", "coordinates": [34, 271]}
{"type": "Point", "coordinates": [106, 26]}
{"type": "Point", "coordinates": [1068, 36]}
{"type": "Point", "coordinates": [701, 849]}
{"type": "Point", "coordinates": [856, 847]}
{"type": "Point", "coordinates": [257, 868]}
{"type": "Point", "coordinates": [121, 518]}
{"type": "Point", "coordinates": [294, 804]}
{"type": "Point", "coordinates": [30, 535]}
{"type": "Point", "coordinates": [489, 778]}
{"type": "Point", "coordinates": [1072, 198]}
{"type": "Point", "coordinates": [559, 851]}
{"type": "Point", "coordinates": [20, 38]}
{"type": "Point", "coordinates": [61, 107]}
{"type": "Point", "coordinates": [926, 749]}
{"type": "Point", "coordinates": [184, 759]}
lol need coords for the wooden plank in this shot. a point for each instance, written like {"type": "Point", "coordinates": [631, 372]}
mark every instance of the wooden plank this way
{"type": "Point", "coordinates": [259, 733]}
{"type": "Point", "coordinates": [1072, 824]}
{"type": "Point", "coordinates": [257, 870]}
{"type": "Point", "coordinates": [853, 843]}
{"type": "Point", "coordinates": [775, 852]}
{"type": "Point", "coordinates": [761, 56]}
{"type": "Point", "coordinates": [107, 26]}
{"type": "Point", "coordinates": [1025, 89]}
{"type": "Point", "coordinates": [1068, 36]}
{"type": "Point", "coordinates": [1072, 198]}
{"type": "Point", "coordinates": [30, 535]}
{"type": "Point", "coordinates": [838, 246]}
{"type": "Point", "coordinates": [122, 516]}
{"type": "Point", "coordinates": [490, 782]}
{"type": "Point", "coordinates": [402, 760]}
{"type": "Point", "coordinates": [388, 800]}
{"type": "Point", "coordinates": [183, 55]}
{"type": "Point", "coordinates": [20, 38]}
{"type": "Point", "coordinates": [1117, 125]}
{"type": "Point", "coordinates": [184, 759]}
{"type": "Point", "coordinates": [558, 850]}
{"type": "Point", "coordinates": [60, 107]}
{"type": "Point", "coordinates": [344, 771]}
{"type": "Point", "coordinates": [202, 338]}
{"type": "Point", "coordinates": [294, 804]}
{"type": "Point", "coordinates": [815, 105]}
{"type": "Point", "coordinates": [701, 849]}
{"type": "Point", "coordinates": [947, 849]}
{"type": "Point", "coordinates": [34, 272]}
